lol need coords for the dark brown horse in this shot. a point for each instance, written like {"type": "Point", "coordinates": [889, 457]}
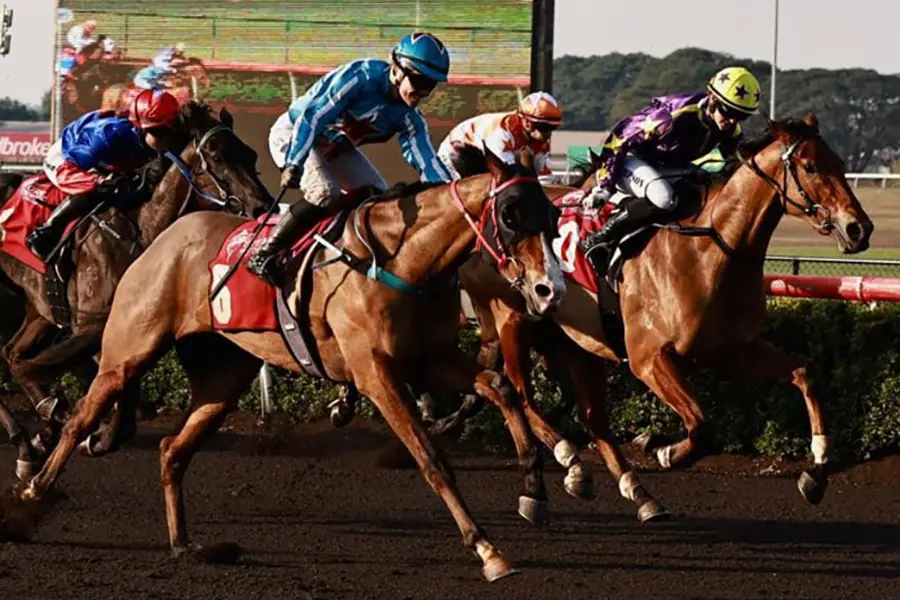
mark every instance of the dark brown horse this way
{"type": "Point", "coordinates": [367, 333]}
{"type": "Point", "coordinates": [96, 67]}
{"type": "Point", "coordinates": [687, 302]}
{"type": "Point", "coordinates": [221, 166]}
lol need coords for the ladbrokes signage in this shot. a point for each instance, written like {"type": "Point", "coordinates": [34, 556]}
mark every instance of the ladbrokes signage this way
{"type": "Point", "coordinates": [23, 147]}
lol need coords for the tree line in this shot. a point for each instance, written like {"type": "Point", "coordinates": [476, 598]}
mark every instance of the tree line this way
{"type": "Point", "coordinates": [858, 109]}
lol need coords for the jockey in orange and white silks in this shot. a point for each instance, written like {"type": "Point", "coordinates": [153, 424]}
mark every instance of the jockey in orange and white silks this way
{"type": "Point", "coordinates": [505, 135]}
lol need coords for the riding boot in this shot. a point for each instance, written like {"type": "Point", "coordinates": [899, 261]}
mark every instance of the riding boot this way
{"type": "Point", "coordinates": [299, 219]}
{"type": "Point", "coordinates": [631, 214]}
{"type": "Point", "coordinates": [44, 238]}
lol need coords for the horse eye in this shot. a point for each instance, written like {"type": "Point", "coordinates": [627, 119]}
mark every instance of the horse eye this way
{"type": "Point", "coordinates": [810, 168]}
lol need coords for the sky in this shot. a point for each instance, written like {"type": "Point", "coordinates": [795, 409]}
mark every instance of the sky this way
{"type": "Point", "coordinates": [812, 33]}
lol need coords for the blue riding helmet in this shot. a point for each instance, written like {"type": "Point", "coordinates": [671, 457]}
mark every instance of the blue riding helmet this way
{"type": "Point", "coordinates": [424, 54]}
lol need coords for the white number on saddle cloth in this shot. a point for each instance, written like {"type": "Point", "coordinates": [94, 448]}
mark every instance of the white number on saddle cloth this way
{"type": "Point", "coordinates": [221, 304]}
{"type": "Point", "coordinates": [566, 245]}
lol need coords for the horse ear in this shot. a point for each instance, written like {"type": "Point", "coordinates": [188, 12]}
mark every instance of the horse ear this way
{"type": "Point", "coordinates": [226, 117]}
{"type": "Point", "coordinates": [526, 159]}
{"type": "Point", "coordinates": [812, 120]}
{"type": "Point", "coordinates": [595, 158]}
{"type": "Point", "coordinates": [495, 165]}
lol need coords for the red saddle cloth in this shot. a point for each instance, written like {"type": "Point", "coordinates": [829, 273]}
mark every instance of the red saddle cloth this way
{"type": "Point", "coordinates": [575, 224]}
{"type": "Point", "coordinates": [246, 302]}
{"type": "Point", "coordinates": [28, 208]}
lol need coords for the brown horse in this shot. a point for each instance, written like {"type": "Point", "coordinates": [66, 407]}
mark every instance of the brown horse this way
{"type": "Point", "coordinates": [189, 73]}
{"type": "Point", "coordinates": [96, 67]}
{"type": "Point", "coordinates": [221, 166]}
{"type": "Point", "coordinates": [687, 302]}
{"type": "Point", "coordinates": [366, 333]}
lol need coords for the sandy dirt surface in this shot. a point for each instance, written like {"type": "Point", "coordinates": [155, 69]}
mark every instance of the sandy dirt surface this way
{"type": "Point", "coordinates": [318, 518]}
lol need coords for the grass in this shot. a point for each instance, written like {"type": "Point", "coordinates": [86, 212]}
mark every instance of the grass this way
{"type": "Point", "coordinates": [484, 38]}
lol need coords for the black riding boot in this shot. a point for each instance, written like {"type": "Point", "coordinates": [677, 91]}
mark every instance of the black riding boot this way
{"type": "Point", "coordinates": [44, 239]}
{"type": "Point", "coordinates": [300, 218]}
{"type": "Point", "coordinates": [631, 214]}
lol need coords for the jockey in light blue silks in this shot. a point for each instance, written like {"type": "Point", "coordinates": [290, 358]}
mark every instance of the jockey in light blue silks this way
{"type": "Point", "coordinates": [362, 102]}
{"type": "Point", "coordinates": [153, 76]}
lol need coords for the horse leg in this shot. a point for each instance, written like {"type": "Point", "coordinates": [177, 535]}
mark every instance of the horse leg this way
{"type": "Point", "coordinates": [662, 374]}
{"type": "Point", "coordinates": [760, 362]}
{"type": "Point", "coordinates": [456, 372]}
{"type": "Point", "coordinates": [50, 410]}
{"type": "Point", "coordinates": [26, 457]}
{"type": "Point", "coordinates": [214, 390]}
{"type": "Point", "coordinates": [515, 345]}
{"type": "Point", "coordinates": [126, 356]}
{"type": "Point", "coordinates": [376, 378]}
{"type": "Point", "coordinates": [586, 375]}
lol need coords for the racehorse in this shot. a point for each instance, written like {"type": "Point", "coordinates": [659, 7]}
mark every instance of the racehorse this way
{"type": "Point", "coordinates": [687, 301]}
{"type": "Point", "coordinates": [188, 73]}
{"type": "Point", "coordinates": [367, 333]}
{"type": "Point", "coordinates": [95, 68]}
{"type": "Point", "coordinates": [220, 166]}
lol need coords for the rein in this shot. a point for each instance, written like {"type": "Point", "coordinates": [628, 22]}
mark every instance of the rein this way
{"type": "Point", "coordinates": [500, 254]}
{"type": "Point", "coordinates": [225, 200]}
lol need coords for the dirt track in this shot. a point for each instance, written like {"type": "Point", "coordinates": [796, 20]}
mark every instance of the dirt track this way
{"type": "Point", "coordinates": [318, 519]}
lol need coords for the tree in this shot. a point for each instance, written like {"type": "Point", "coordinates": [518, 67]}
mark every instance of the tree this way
{"type": "Point", "coordinates": [13, 110]}
{"type": "Point", "coordinates": [858, 109]}
{"type": "Point", "coordinates": [46, 101]}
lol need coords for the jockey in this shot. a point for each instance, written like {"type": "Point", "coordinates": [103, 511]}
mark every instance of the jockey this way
{"type": "Point", "coordinates": [165, 57]}
{"type": "Point", "coordinates": [150, 77]}
{"type": "Point", "coordinates": [505, 134]}
{"type": "Point", "coordinates": [364, 101]}
{"type": "Point", "coordinates": [671, 132]}
{"type": "Point", "coordinates": [94, 157]}
{"type": "Point", "coordinates": [82, 35]}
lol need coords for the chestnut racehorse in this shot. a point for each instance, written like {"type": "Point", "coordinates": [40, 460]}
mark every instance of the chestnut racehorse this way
{"type": "Point", "coordinates": [367, 333]}
{"type": "Point", "coordinates": [687, 302]}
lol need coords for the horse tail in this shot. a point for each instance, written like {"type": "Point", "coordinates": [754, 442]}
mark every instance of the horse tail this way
{"type": "Point", "coordinates": [60, 357]}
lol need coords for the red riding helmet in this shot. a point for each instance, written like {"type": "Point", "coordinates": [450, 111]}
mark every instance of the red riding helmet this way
{"type": "Point", "coordinates": [154, 108]}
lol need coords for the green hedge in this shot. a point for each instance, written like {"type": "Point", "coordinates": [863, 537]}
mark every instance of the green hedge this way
{"type": "Point", "coordinates": [850, 348]}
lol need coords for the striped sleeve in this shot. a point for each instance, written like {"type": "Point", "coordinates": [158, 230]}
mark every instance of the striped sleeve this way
{"type": "Point", "coordinates": [330, 96]}
{"type": "Point", "coordinates": [415, 143]}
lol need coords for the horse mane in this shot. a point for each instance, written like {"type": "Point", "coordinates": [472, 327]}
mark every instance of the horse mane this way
{"type": "Point", "coordinates": [795, 128]}
{"type": "Point", "coordinates": [403, 189]}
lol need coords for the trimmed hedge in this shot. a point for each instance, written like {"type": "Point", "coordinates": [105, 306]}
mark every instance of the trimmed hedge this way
{"type": "Point", "coordinates": [850, 348]}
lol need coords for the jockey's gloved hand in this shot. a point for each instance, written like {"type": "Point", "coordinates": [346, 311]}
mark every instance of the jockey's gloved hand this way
{"type": "Point", "coordinates": [597, 197]}
{"type": "Point", "coordinates": [290, 177]}
{"type": "Point", "coordinates": [153, 171]}
{"type": "Point", "coordinates": [116, 183]}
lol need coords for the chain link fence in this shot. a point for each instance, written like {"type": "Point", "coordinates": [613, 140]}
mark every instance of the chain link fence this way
{"type": "Point", "coordinates": [837, 267]}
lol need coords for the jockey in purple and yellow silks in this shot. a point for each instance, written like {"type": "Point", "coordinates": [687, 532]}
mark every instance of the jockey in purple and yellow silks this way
{"type": "Point", "coordinates": [672, 131]}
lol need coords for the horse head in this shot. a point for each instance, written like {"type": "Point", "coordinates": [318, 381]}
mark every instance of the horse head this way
{"type": "Point", "coordinates": [810, 182]}
{"type": "Point", "coordinates": [222, 162]}
{"type": "Point", "coordinates": [519, 224]}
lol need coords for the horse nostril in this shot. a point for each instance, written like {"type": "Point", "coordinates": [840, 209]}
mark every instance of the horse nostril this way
{"type": "Point", "coordinates": [855, 231]}
{"type": "Point", "coordinates": [543, 290]}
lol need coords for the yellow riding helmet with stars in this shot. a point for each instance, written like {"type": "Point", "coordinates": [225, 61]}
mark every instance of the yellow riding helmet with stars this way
{"type": "Point", "coordinates": [737, 88]}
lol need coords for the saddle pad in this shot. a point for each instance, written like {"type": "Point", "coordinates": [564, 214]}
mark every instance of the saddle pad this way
{"type": "Point", "coordinates": [29, 207]}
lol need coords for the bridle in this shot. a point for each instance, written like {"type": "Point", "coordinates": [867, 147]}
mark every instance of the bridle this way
{"type": "Point", "coordinates": [498, 250]}
{"type": "Point", "coordinates": [225, 200]}
{"type": "Point", "coordinates": [808, 206]}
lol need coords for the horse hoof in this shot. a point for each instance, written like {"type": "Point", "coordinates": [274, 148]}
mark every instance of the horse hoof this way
{"type": "Point", "coordinates": [340, 413]}
{"type": "Point", "coordinates": [534, 511]}
{"type": "Point", "coordinates": [811, 487]}
{"type": "Point", "coordinates": [643, 442]}
{"type": "Point", "coordinates": [496, 568]}
{"type": "Point", "coordinates": [579, 482]}
{"type": "Point", "coordinates": [651, 511]}
{"type": "Point", "coordinates": [86, 447]}
{"type": "Point", "coordinates": [26, 469]}
{"type": "Point", "coordinates": [185, 550]}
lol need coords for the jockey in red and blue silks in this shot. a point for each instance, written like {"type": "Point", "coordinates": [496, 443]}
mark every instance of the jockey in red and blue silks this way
{"type": "Point", "coordinates": [94, 154]}
{"type": "Point", "coordinates": [362, 102]}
